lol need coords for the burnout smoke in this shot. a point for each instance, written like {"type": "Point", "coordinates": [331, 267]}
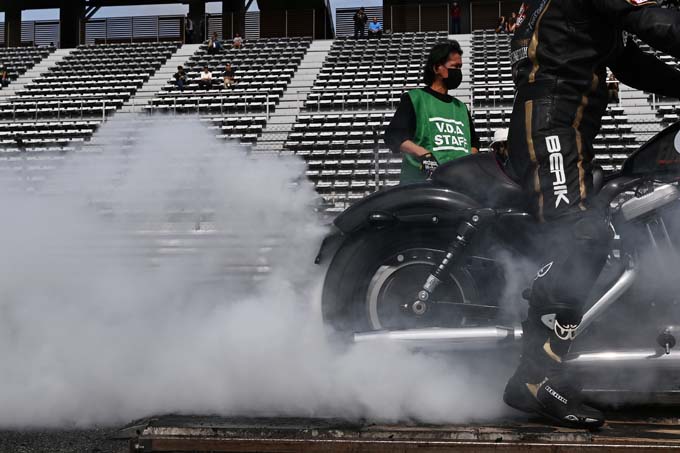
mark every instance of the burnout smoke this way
{"type": "Point", "coordinates": [163, 271]}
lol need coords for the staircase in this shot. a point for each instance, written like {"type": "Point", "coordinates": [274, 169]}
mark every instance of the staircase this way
{"type": "Point", "coordinates": [280, 124]}
{"type": "Point", "coordinates": [148, 91]}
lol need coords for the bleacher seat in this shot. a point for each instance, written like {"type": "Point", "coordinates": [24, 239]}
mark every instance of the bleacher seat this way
{"type": "Point", "coordinates": [264, 68]}
{"type": "Point", "coordinates": [18, 60]}
{"type": "Point", "coordinates": [64, 106]}
{"type": "Point", "coordinates": [94, 80]}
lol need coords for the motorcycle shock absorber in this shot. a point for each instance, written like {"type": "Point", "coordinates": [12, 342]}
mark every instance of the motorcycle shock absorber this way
{"type": "Point", "coordinates": [464, 234]}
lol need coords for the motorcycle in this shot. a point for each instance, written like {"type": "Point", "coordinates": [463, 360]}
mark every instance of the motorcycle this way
{"type": "Point", "coordinates": [428, 265]}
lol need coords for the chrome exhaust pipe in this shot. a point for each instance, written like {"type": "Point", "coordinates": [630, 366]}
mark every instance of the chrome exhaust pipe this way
{"type": "Point", "coordinates": [444, 338]}
{"type": "Point", "coordinates": [637, 358]}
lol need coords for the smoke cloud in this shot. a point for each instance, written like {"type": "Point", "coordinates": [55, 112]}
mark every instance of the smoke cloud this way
{"type": "Point", "coordinates": [163, 271]}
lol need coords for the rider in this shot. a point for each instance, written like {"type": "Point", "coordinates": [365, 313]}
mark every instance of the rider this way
{"type": "Point", "coordinates": [431, 127]}
{"type": "Point", "coordinates": [559, 54]}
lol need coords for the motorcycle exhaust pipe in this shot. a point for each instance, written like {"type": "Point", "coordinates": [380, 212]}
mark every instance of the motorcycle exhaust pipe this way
{"type": "Point", "coordinates": [637, 358]}
{"type": "Point", "coordinates": [445, 338]}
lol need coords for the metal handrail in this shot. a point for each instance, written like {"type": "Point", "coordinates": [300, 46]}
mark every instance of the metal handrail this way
{"type": "Point", "coordinates": [197, 103]}
{"type": "Point", "coordinates": [59, 100]}
{"type": "Point", "coordinates": [315, 89]}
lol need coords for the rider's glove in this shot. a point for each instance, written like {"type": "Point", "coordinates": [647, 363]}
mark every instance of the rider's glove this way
{"type": "Point", "coordinates": [428, 164]}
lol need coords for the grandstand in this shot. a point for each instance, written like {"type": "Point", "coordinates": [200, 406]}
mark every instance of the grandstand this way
{"type": "Point", "coordinates": [327, 101]}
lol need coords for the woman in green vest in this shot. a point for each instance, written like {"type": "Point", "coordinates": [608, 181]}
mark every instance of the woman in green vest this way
{"type": "Point", "coordinates": [430, 127]}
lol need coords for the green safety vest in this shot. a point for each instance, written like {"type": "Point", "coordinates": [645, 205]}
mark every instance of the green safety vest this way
{"type": "Point", "coordinates": [442, 128]}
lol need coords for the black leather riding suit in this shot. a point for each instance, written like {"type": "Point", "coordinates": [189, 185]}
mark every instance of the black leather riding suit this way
{"type": "Point", "coordinates": [559, 53]}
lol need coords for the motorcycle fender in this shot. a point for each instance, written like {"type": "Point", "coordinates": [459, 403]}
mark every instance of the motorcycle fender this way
{"type": "Point", "coordinates": [412, 203]}
{"type": "Point", "coordinates": [331, 243]}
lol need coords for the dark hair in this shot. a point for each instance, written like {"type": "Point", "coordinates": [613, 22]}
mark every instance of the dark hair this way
{"type": "Point", "coordinates": [438, 56]}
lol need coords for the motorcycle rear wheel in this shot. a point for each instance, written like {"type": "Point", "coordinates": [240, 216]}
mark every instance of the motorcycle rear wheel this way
{"type": "Point", "coordinates": [374, 278]}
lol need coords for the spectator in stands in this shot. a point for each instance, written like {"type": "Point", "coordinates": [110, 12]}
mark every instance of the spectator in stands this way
{"type": "Point", "coordinates": [214, 45]}
{"type": "Point", "coordinates": [430, 127]}
{"type": "Point", "coordinates": [180, 78]}
{"type": "Point", "coordinates": [4, 76]}
{"type": "Point", "coordinates": [206, 79]}
{"type": "Point", "coordinates": [229, 76]}
{"type": "Point", "coordinates": [455, 18]}
{"type": "Point", "coordinates": [613, 88]}
{"type": "Point", "coordinates": [499, 145]}
{"type": "Point", "coordinates": [375, 28]}
{"type": "Point", "coordinates": [502, 26]}
{"type": "Point", "coordinates": [512, 23]}
{"type": "Point", "coordinates": [360, 19]}
{"type": "Point", "coordinates": [21, 146]}
{"type": "Point", "coordinates": [238, 41]}
{"type": "Point", "coordinates": [189, 29]}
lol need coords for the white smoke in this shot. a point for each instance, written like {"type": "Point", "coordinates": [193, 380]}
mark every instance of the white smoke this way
{"type": "Point", "coordinates": [167, 272]}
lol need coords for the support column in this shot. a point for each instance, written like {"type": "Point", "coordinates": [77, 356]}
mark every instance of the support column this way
{"type": "Point", "coordinates": [72, 23]}
{"type": "Point", "coordinates": [233, 18]}
{"type": "Point", "coordinates": [13, 24]}
{"type": "Point", "coordinates": [197, 15]}
{"type": "Point", "coordinates": [387, 16]}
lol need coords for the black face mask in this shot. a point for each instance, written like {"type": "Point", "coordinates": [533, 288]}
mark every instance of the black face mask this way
{"type": "Point", "coordinates": [454, 79]}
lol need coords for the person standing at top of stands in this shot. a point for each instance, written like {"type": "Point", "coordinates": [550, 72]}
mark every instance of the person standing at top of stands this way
{"type": "Point", "coordinates": [512, 23]}
{"type": "Point", "coordinates": [238, 41]}
{"type": "Point", "coordinates": [229, 76]}
{"type": "Point", "coordinates": [360, 19]}
{"type": "Point", "coordinates": [206, 79]}
{"type": "Point", "coordinates": [189, 30]}
{"type": "Point", "coordinates": [375, 28]}
{"type": "Point", "coordinates": [180, 78]}
{"type": "Point", "coordinates": [455, 18]}
{"type": "Point", "coordinates": [430, 127]}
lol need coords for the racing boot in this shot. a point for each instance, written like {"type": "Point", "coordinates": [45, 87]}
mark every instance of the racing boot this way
{"type": "Point", "coordinates": [541, 384]}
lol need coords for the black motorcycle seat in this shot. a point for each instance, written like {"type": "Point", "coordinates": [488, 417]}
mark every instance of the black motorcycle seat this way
{"type": "Point", "coordinates": [481, 177]}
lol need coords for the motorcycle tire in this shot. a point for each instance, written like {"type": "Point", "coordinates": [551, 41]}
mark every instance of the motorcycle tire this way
{"type": "Point", "coordinates": [344, 297]}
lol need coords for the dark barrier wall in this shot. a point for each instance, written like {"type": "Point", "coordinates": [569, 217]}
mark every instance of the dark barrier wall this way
{"type": "Point", "coordinates": [403, 16]}
{"type": "Point", "coordinates": [434, 15]}
{"type": "Point", "coordinates": [295, 18]}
